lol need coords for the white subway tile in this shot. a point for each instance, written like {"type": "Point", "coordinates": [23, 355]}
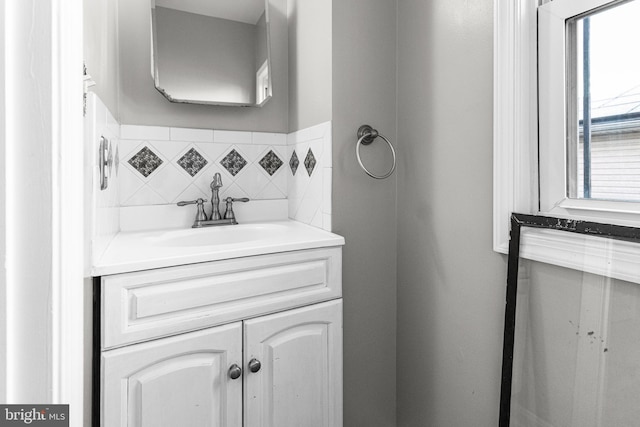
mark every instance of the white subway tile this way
{"type": "Point", "coordinates": [281, 178]}
{"type": "Point", "coordinates": [255, 152]}
{"type": "Point", "coordinates": [213, 152]}
{"type": "Point", "coordinates": [144, 196]}
{"type": "Point", "coordinates": [232, 137]}
{"type": "Point", "coordinates": [307, 210]}
{"type": "Point", "coordinates": [128, 147]}
{"type": "Point", "coordinates": [192, 192]}
{"type": "Point", "coordinates": [251, 181]}
{"type": "Point", "coordinates": [327, 190]}
{"type": "Point", "coordinates": [316, 187]}
{"type": "Point", "coordinates": [327, 222]}
{"type": "Point", "coordinates": [145, 132]}
{"type": "Point", "coordinates": [203, 179]}
{"type": "Point", "coordinates": [271, 192]}
{"type": "Point", "coordinates": [317, 219]}
{"type": "Point", "coordinates": [169, 183]}
{"type": "Point", "coordinates": [191, 135]}
{"type": "Point", "coordinates": [231, 191]}
{"type": "Point", "coordinates": [291, 138]}
{"type": "Point", "coordinates": [265, 138]}
{"type": "Point", "coordinates": [168, 149]}
{"type": "Point", "coordinates": [128, 182]}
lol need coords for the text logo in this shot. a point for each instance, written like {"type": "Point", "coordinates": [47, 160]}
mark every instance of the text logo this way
{"type": "Point", "coordinates": [34, 415]}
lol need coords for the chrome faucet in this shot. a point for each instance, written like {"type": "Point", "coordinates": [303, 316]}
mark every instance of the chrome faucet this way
{"type": "Point", "coordinates": [215, 199]}
{"type": "Point", "coordinates": [215, 218]}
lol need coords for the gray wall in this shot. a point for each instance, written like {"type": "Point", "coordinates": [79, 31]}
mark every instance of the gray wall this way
{"type": "Point", "coordinates": [141, 104]}
{"type": "Point", "coordinates": [309, 63]}
{"type": "Point", "coordinates": [205, 58]}
{"type": "Point", "coordinates": [364, 209]}
{"type": "Point", "coordinates": [450, 282]}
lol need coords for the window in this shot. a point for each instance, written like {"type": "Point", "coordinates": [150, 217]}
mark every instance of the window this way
{"type": "Point", "coordinates": [539, 51]}
{"type": "Point", "coordinates": [603, 108]}
{"type": "Point", "coordinates": [589, 100]}
{"type": "Point", "coordinates": [540, 122]}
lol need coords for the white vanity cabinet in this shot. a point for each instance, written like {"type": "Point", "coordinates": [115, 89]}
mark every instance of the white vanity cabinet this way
{"type": "Point", "coordinates": [176, 381]}
{"type": "Point", "coordinates": [299, 382]}
{"type": "Point", "coordinates": [251, 342]}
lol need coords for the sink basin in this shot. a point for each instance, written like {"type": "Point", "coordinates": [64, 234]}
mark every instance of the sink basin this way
{"type": "Point", "coordinates": [219, 235]}
{"type": "Point", "coordinates": [144, 250]}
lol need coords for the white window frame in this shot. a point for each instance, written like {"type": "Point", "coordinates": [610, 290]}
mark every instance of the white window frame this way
{"type": "Point", "coordinates": [515, 115]}
{"type": "Point", "coordinates": [553, 122]}
{"type": "Point", "coordinates": [516, 178]}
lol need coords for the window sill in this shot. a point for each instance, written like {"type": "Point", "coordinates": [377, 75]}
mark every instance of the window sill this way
{"type": "Point", "coordinates": [597, 255]}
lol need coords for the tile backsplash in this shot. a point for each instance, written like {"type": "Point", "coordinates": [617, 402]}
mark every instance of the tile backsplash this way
{"type": "Point", "coordinates": [102, 216]}
{"type": "Point", "coordinates": [155, 167]}
{"type": "Point", "coordinates": [163, 165]}
{"type": "Point", "coordinates": [309, 175]}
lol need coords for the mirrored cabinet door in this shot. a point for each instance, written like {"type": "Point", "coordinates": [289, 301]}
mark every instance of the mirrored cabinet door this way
{"type": "Point", "coordinates": [208, 52]}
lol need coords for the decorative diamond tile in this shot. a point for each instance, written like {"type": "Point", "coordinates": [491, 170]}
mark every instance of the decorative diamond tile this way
{"type": "Point", "coordinates": [294, 162]}
{"type": "Point", "coordinates": [310, 162]}
{"type": "Point", "coordinates": [233, 162]}
{"type": "Point", "coordinates": [145, 161]}
{"type": "Point", "coordinates": [271, 162]}
{"type": "Point", "coordinates": [192, 162]}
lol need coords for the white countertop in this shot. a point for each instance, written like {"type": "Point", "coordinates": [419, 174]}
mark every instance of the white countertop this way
{"type": "Point", "coordinates": [144, 250]}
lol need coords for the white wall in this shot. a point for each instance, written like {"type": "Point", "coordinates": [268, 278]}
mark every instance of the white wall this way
{"type": "Point", "coordinates": [364, 209]}
{"type": "Point", "coordinates": [450, 282]}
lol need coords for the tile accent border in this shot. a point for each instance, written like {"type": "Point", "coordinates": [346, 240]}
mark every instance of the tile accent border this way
{"type": "Point", "coordinates": [310, 189]}
{"type": "Point", "coordinates": [187, 159]}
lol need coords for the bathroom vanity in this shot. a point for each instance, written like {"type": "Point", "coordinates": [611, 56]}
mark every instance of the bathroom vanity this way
{"type": "Point", "coordinates": [232, 326]}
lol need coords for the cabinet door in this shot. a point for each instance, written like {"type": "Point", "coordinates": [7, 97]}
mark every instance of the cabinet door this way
{"type": "Point", "coordinates": [299, 383]}
{"type": "Point", "coordinates": [178, 381]}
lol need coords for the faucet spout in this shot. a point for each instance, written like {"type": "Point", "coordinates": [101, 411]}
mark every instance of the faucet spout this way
{"type": "Point", "coordinates": [215, 198]}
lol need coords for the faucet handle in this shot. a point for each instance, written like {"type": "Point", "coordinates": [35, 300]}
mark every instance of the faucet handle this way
{"type": "Point", "coordinates": [229, 214]}
{"type": "Point", "coordinates": [200, 215]}
{"type": "Point", "coordinates": [192, 202]}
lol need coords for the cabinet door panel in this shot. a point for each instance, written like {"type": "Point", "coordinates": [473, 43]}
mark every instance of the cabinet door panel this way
{"type": "Point", "coordinates": [300, 380]}
{"type": "Point", "coordinates": [178, 381]}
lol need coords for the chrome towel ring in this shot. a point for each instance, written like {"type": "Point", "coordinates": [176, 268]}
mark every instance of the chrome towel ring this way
{"type": "Point", "coordinates": [366, 135]}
